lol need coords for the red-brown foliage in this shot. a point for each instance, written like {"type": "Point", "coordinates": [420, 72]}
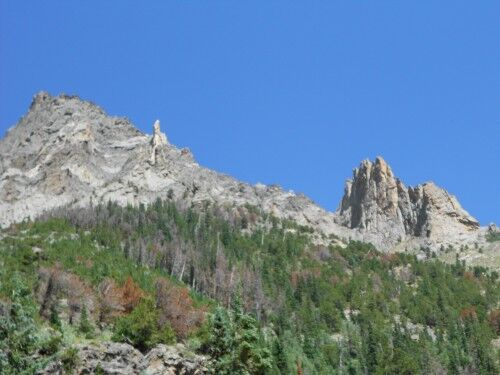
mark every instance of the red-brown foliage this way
{"type": "Point", "coordinates": [468, 313]}
{"type": "Point", "coordinates": [55, 284]}
{"type": "Point", "coordinates": [176, 306]}
{"type": "Point", "coordinates": [469, 276]}
{"type": "Point", "coordinates": [299, 368]}
{"type": "Point", "coordinates": [389, 258]}
{"type": "Point", "coordinates": [334, 280]}
{"type": "Point", "coordinates": [116, 300]}
{"type": "Point", "coordinates": [297, 276]}
{"type": "Point", "coordinates": [294, 279]}
{"type": "Point", "coordinates": [131, 294]}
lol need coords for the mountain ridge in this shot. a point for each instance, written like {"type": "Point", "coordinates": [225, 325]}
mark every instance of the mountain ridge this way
{"type": "Point", "coordinates": [66, 151]}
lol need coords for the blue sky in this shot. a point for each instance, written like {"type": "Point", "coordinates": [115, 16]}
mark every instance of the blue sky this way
{"type": "Point", "coordinates": [295, 93]}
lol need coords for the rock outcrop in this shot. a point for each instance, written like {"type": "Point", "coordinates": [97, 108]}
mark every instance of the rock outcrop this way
{"type": "Point", "coordinates": [158, 140]}
{"type": "Point", "coordinates": [376, 202]}
{"type": "Point", "coordinates": [68, 152]}
{"type": "Point", "coordinates": [370, 199]}
{"type": "Point", "coordinates": [117, 358]}
{"type": "Point", "coordinates": [173, 360]}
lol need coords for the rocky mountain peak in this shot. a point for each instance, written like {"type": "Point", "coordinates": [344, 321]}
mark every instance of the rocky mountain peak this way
{"type": "Point", "coordinates": [40, 98]}
{"type": "Point", "coordinates": [67, 151]}
{"type": "Point", "coordinates": [375, 201]}
{"type": "Point", "coordinates": [372, 190]}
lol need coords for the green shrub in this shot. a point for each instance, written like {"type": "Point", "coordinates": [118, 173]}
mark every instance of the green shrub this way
{"type": "Point", "coordinates": [51, 346]}
{"type": "Point", "coordinates": [70, 359]}
{"type": "Point", "coordinates": [235, 343]}
{"type": "Point", "coordinates": [141, 328]}
{"type": "Point", "coordinates": [54, 317]}
{"type": "Point", "coordinates": [99, 370]}
{"type": "Point", "coordinates": [19, 335]}
{"type": "Point", "coordinates": [493, 236]}
{"type": "Point", "coordinates": [326, 309]}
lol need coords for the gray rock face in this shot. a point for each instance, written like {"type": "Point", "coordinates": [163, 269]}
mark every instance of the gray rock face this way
{"type": "Point", "coordinates": [66, 151]}
{"type": "Point", "coordinates": [375, 201]}
{"type": "Point", "coordinates": [113, 358]}
{"type": "Point", "coordinates": [173, 360]}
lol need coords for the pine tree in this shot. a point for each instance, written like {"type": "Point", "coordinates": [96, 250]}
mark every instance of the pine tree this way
{"type": "Point", "coordinates": [54, 317]}
{"type": "Point", "coordinates": [280, 356]}
{"type": "Point", "coordinates": [85, 325]}
{"type": "Point", "coordinates": [220, 340]}
{"type": "Point", "coordinates": [236, 344]}
{"type": "Point", "coordinates": [19, 337]}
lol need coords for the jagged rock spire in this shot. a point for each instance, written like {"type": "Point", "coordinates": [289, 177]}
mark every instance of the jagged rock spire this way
{"type": "Point", "coordinates": [158, 140]}
{"type": "Point", "coordinates": [376, 201]}
{"type": "Point", "coordinates": [372, 188]}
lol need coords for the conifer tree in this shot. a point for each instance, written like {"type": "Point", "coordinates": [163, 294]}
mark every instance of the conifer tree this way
{"type": "Point", "coordinates": [18, 332]}
{"type": "Point", "coordinates": [54, 317]}
{"type": "Point", "coordinates": [85, 325]}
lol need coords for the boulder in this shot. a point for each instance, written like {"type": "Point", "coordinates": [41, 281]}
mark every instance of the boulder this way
{"type": "Point", "coordinates": [173, 360]}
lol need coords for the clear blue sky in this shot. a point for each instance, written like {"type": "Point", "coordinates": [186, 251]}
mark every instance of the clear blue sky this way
{"type": "Point", "coordinates": [295, 93]}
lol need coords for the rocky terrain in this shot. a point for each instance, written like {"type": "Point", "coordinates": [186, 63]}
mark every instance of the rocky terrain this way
{"type": "Point", "coordinates": [66, 151]}
{"type": "Point", "coordinates": [120, 358]}
{"type": "Point", "coordinates": [387, 213]}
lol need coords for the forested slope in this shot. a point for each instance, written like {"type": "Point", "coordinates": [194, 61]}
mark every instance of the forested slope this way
{"type": "Point", "coordinates": [249, 292]}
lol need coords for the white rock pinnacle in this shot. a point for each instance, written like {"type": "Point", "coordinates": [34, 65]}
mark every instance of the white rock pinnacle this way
{"type": "Point", "coordinates": [159, 139]}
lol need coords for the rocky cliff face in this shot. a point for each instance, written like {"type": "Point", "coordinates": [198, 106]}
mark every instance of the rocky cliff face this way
{"type": "Point", "coordinates": [375, 201]}
{"type": "Point", "coordinates": [66, 151]}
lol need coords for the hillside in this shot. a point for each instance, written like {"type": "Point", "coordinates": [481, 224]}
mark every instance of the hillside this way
{"type": "Point", "coordinates": [321, 309]}
{"type": "Point", "coordinates": [120, 254]}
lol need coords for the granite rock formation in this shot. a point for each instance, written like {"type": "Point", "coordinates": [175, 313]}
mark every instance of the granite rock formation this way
{"type": "Point", "coordinates": [66, 151]}
{"type": "Point", "coordinates": [375, 201]}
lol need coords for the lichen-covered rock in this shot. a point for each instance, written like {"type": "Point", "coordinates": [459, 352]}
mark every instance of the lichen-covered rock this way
{"type": "Point", "coordinates": [173, 360]}
{"type": "Point", "coordinates": [371, 198]}
{"type": "Point", "coordinates": [112, 358]}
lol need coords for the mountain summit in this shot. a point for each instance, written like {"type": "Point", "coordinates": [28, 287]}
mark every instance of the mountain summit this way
{"type": "Point", "coordinates": [66, 151]}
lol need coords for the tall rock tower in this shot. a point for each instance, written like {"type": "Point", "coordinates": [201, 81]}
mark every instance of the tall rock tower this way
{"type": "Point", "coordinates": [375, 201]}
{"type": "Point", "coordinates": [158, 140]}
